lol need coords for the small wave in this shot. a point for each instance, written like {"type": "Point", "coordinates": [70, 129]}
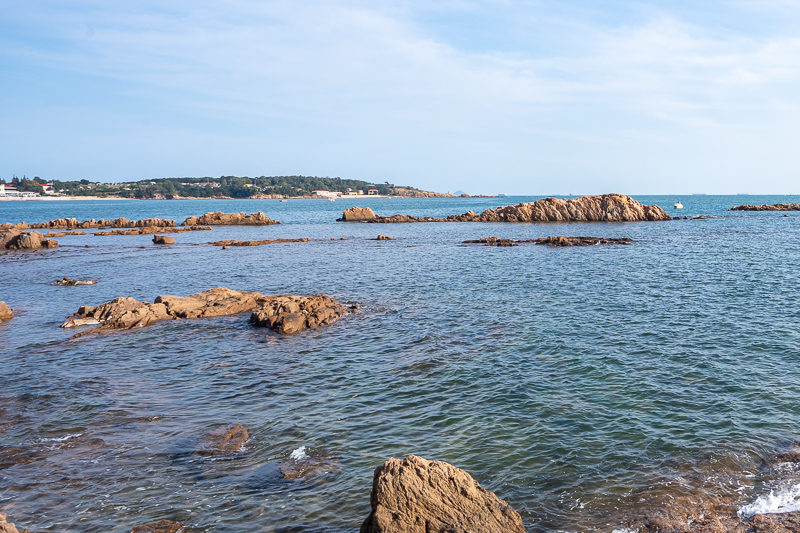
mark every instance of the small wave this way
{"type": "Point", "coordinates": [782, 501]}
{"type": "Point", "coordinates": [60, 439]}
{"type": "Point", "coordinates": [298, 454]}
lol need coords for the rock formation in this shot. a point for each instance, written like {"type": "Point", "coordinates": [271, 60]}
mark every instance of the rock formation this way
{"type": "Point", "coordinates": [417, 495]}
{"type": "Point", "coordinates": [403, 192]}
{"type": "Point", "coordinates": [230, 219]}
{"type": "Point", "coordinates": [162, 526]}
{"type": "Point", "coordinates": [51, 234]}
{"type": "Point", "coordinates": [289, 314]}
{"type": "Point", "coordinates": [65, 281]}
{"type": "Point", "coordinates": [383, 238]}
{"type": "Point", "coordinates": [282, 313]}
{"type": "Point", "coordinates": [5, 312]}
{"type": "Point", "coordinates": [765, 207]}
{"type": "Point", "coordinates": [551, 241]}
{"type": "Point", "coordinates": [603, 208]}
{"type": "Point", "coordinates": [74, 223]}
{"type": "Point", "coordinates": [223, 440]}
{"type": "Point", "coordinates": [310, 466]}
{"type": "Point", "coordinates": [492, 241]}
{"type": "Point", "coordinates": [256, 243]}
{"type": "Point", "coordinates": [5, 527]}
{"type": "Point", "coordinates": [14, 239]}
{"type": "Point", "coordinates": [163, 239]}
{"type": "Point", "coordinates": [149, 230]}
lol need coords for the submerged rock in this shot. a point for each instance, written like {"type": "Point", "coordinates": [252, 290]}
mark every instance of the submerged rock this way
{"type": "Point", "coordinates": [230, 219]}
{"type": "Point", "coordinates": [149, 230]}
{"type": "Point", "coordinates": [224, 439]}
{"type": "Point", "coordinates": [5, 312]}
{"type": "Point", "coordinates": [14, 239]}
{"type": "Point", "coordinates": [162, 526]}
{"type": "Point", "coordinates": [765, 207]}
{"type": "Point", "coordinates": [163, 239]}
{"type": "Point", "coordinates": [289, 314]}
{"type": "Point", "coordinates": [255, 243]}
{"type": "Point", "coordinates": [65, 281]}
{"type": "Point", "coordinates": [417, 495]}
{"type": "Point", "coordinates": [601, 208]}
{"type": "Point", "coordinates": [310, 466]}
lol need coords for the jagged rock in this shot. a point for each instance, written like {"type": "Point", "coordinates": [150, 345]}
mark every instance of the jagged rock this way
{"type": "Point", "coordinates": [72, 282]}
{"type": "Point", "coordinates": [602, 208]}
{"type": "Point", "coordinates": [163, 239]}
{"type": "Point", "coordinates": [162, 526]}
{"type": "Point", "coordinates": [52, 234]}
{"type": "Point", "coordinates": [357, 214]}
{"type": "Point", "coordinates": [255, 243]}
{"type": "Point", "coordinates": [289, 314]}
{"type": "Point", "coordinates": [765, 207]}
{"type": "Point", "coordinates": [5, 527]}
{"type": "Point", "coordinates": [421, 496]}
{"type": "Point", "coordinates": [24, 240]}
{"type": "Point", "coordinates": [230, 219]}
{"type": "Point", "coordinates": [5, 312]}
{"type": "Point", "coordinates": [224, 439]}
{"type": "Point", "coordinates": [492, 241]}
{"type": "Point", "coordinates": [73, 223]}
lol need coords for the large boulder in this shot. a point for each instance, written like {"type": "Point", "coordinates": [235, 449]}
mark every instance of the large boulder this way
{"type": "Point", "coordinates": [14, 239]}
{"type": "Point", "coordinates": [163, 239]}
{"type": "Point", "coordinates": [289, 314]}
{"type": "Point", "coordinates": [357, 214]}
{"type": "Point", "coordinates": [414, 495]}
{"type": "Point", "coordinates": [5, 312]}
{"type": "Point", "coordinates": [5, 527]}
{"type": "Point", "coordinates": [230, 219]}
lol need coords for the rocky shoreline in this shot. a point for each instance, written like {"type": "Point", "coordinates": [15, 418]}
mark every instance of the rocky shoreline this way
{"type": "Point", "coordinates": [551, 241]}
{"type": "Point", "coordinates": [766, 207]}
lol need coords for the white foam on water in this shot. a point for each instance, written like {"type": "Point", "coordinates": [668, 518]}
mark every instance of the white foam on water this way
{"type": "Point", "coordinates": [782, 501]}
{"type": "Point", "coordinates": [299, 453]}
{"type": "Point", "coordinates": [61, 439]}
{"type": "Point", "coordinates": [625, 530]}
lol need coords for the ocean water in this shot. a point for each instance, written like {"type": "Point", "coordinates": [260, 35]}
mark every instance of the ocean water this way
{"type": "Point", "coordinates": [578, 384]}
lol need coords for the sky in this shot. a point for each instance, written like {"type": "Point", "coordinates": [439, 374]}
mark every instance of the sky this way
{"type": "Point", "coordinates": [492, 96]}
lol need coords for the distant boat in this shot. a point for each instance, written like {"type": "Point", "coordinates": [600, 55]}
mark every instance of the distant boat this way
{"type": "Point", "coordinates": [331, 199]}
{"type": "Point", "coordinates": [283, 201]}
{"type": "Point", "coordinates": [678, 205]}
{"type": "Point", "coordinates": [501, 195]}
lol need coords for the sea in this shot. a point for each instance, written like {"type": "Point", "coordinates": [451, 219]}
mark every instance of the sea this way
{"type": "Point", "coordinates": [580, 385]}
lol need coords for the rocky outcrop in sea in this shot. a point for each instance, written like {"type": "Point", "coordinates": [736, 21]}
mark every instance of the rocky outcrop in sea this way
{"type": "Point", "coordinates": [289, 314]}
{"type": "Point", "coordinates": [230, 219]}
{"type": "Point", "coordinates": [74, 223]}
{"type": "Point", "coordinates": [602, 208]}
{"type": "Point", "coordinates": [417, 495]}
{"type": "Point", "coordinates": [256, 243]}
{"type": "Point", "coordinates": [5, 312]}
{"type": "Point", "coordinates": [223, 440]}
{"type": "Point", "coordinates": [6, 527]}
{"type": "Point", "coordinates": [765, 207]}
{"type": "Point", "coordinates": [551, 241]}
{"type": "Point", "coordinates": [150, 230]}
{"type": "Point", "coordinates": [66, 282]}
{"type": "Point", "coordinates": [14, 239]}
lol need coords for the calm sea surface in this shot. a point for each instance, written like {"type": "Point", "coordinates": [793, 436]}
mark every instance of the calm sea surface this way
{"type": "Point", "coordinates": [575, 383]}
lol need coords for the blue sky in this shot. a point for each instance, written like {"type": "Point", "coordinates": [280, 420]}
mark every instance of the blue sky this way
{"type": "Point", "coordinates": [520, 97]}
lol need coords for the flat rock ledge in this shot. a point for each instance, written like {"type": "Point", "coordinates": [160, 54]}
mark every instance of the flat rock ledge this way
{"type": "Point", "coordinates": [256, 243]}
{"type": "Point", "coordinates": [66, 282]}
{"type": "Point", "coordinates": [5, 312]}
{"type": "Point", "coordinates": [162, 526]}
{"type": "Point", "coordinates": [223, 440]}
{"type": "Point", "coordinates": [602, 208]}
{"type": "Point", "coordinates": [552, 241]}
{"type": "Point", "coordinates": [150, 230]}
{"type": "Point", "coordinates": [417, 495]}
{"type": "Point", "coordinates": [282, 313]}
{"type": "Point", "coordinates": [14, 239]}
{"type": "Point", "coordinates": [230, 219]}
{"type": "Point", "coordinates": [74, 223]}
{"type": "Point", "coordinates": [765, 207]}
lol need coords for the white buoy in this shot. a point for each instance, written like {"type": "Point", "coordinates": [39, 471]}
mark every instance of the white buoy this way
{"type": "Point", "coordinates": [678, 205]}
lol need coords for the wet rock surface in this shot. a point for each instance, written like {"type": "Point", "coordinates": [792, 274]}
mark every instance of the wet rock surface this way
{"type": "Point", "coordinates": [163, 239]}
{"type": "Point", "coordinates": [417, 495]}
{"type": "Point", "coordinates": [765, 207]}
{"type": "Point", "coordinates": [601, 208]}
{"type": "Point", "coordinates": [65, 281]}
{"type": "Point", "coordinates": [14, 239]}
{"type": "Point", "coordinates": [230, 219]}
{"type": "Point", "coordinates": [255, 243]}
{"type": "Point", "coordinates": [223, 440]}
{"type": "Point", "coordinates": [162, 526]}
{"type": "Point", "coordinates": [5, 312]}
{"type": "Point", "coordinates": [310, 465]}
{"type": "Point", "coordinates": [289, 314]}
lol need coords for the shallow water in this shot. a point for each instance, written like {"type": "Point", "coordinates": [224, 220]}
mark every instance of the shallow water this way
{"type": "Point", "coordinates": [576, 383]}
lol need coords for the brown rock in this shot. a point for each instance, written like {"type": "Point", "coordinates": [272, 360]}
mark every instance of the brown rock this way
{"type": "Point", "coordinates": [421, 496]}
{"type": "Point", "coordinates": [383, 238]}
{"type": "Point", "coordinates": [765, 207]}
{"type": "Point", "coordinates": [162, 526]}
{"type": "Point", "coordinates": [14, 239]}
{"type": "Point", "coordinates": [224, 439]}
{"type": "Point", "coordinates": [163, 239]}
{"type": "Point", "coordinates": [149, 230]}
{"type": "Point", "coordinates": [5, 527]}
{"type": "Point", "coordinates": [65, 281]}
{"type": "Point", "coordinates": [313, 465]}
{"type": "Point", "coordinates": [404, 192]}
{"type": "Point", "coordinates": [64, 233]}
{"type": "Point", "coordinates": [357, 214]}
{"type": "Point", "coordinates": [492, 241]}
{"type": "Point", "coordinates": [5, 312]}
{"type": "Point", "coordinates": [552, 241]}
{"type": "Point", "coordinates": [289, 314]}
{"type": "Point", "coordinates": [230, 219]}
{"type": "Point", "coordinates": [73, 223]}
{"type": "Point", "coordinates": [255, 243]}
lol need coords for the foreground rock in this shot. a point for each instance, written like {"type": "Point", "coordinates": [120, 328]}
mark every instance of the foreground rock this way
{"type": "Point", "coordinates": [163, 239]}
{"type": "Point", "coordinates": [765, 207]}
{"type": "Point", "coordinates": [14, 239]}
{"type": "Point", "coordinates": [289, 314]}
{"type": "Point", "coordinates": [74, 223]}
{"type": "Point", "coordinates": [223, 440]}
{"type": "Point", "coordinates": [230, 219]}
{"type": "Point", "coordinates": [162, 526]}
{"type": "Point", "coordinates": [5, 312]}
{"type": "Point", "coordinates": [282, 313]}
{"type": "Point", "coordinates": [602, 208]}
{"type": "Point", "coordinates": [417, 495]}
{"type": "Point", "coordinates": [256, 243]}
{"type": "Point", "coordinates": [5, 527]}
{"type": "Point", "coordinates": [65, 281]}
{"type": "Point", "coordinates": [671, 520]}
{"type": "Point", "coordinates": [552, 241]}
